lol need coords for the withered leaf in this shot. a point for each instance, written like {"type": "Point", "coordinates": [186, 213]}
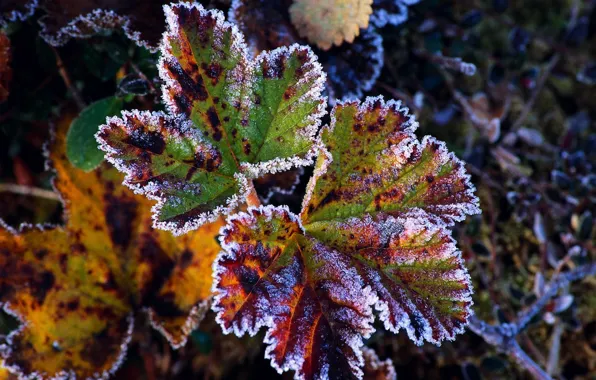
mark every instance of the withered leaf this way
{"type": "Point", "coordinates": [142, 21]}
{"type": "Point", "coordinates": [76, 287]}
{"type": "Point", "coordinates": [331, 22]}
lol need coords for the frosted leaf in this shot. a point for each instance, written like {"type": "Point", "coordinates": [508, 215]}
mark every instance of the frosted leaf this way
{"type": "Point", "coordinates": [230, 118]}
{"type": "Point", "coordinates": [313, 304]}
{"type": "Point", "coordinates": [371, 162]}
{"type": "Point", "coordinates": [13, 10]}
{"type": "Point", "coordinates": [76, 288]}
{"type": "Point", "coordinates": [143, 21]}
{"type": "Point", "coordinates": [413, 266]}
{"type": "Point", "coordinates": [392, 12]}
{"type": "Point", "coordinates": [354, 68]}
{"type": "Point", "coordinates": [275, 273]}
{"type": "Point", "coordinates": [373, 230]}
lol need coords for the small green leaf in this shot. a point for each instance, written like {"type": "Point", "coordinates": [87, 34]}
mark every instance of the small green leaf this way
{"type": "Point", "coordinates": [81, 146]}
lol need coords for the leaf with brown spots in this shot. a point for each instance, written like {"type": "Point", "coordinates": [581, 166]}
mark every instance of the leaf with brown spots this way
{"type": "Point", "coordinates": [76, 288]}
{"type": "Point", "coordinates": [373, 231]}
{"type": "Point", "coordinates": [371, 162]}
{"type": "Point", "coordinates": [230, 118]}
{"type": "Point", "coordinates": [5, 68]}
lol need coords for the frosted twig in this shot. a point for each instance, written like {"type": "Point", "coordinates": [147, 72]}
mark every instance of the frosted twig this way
{"type": "Point", "coordinates": [27, 190]}
{"type": "Point", "coordinates": [555, 348]}
{"type": "Point", "coordinates": [496, 336]}
{"type": "Point", "coordinates": [252, 198]}
{"type": "Point", "coordinates": [451, 63]}
{"type": "Point", "coordinates": [562, 280]}
{"type": "Point", "coordinates": [503, 336]}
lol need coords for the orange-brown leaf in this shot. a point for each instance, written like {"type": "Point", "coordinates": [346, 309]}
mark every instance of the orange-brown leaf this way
{"type": "Point", "coordinates": [75, 288]}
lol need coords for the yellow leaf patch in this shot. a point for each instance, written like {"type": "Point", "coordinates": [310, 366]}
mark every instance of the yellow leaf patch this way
{"type": "Point", "coordinates": [76, 288]}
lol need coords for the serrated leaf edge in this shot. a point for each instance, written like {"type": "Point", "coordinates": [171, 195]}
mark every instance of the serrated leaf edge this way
{"type": "Point", "coordinates": [194, 318]}
{"type": "Point", "coordinates": [92, 20]}
{"type": "Point", "coordinates": [366, 85]}
{"type": "Point", "coordinates": [12, 16]}
{"type": "Point", "coordinates": [436, 226]}
{"type": "Point", "coordinates": [243, 327]}
{"type": "Point", "coordinates": [245, 71]}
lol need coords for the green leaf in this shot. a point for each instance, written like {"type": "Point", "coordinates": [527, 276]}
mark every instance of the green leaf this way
{"type": "Point", "coordinates": [230, 119]}
{"type": "Point", "coordinates": [81, 146]}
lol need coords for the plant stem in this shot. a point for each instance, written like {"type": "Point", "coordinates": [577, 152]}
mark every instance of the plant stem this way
{"type": "Point", "coordinates": [26, 190]}
{"type": "Point", "coordinates": [252, 199]}
{"type": "Point", "coordinates": [555, 348]}
{"type": "Point", "coordinates": [68, 82]}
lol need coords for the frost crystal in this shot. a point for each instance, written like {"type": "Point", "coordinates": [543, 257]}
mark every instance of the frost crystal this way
{"type": "Point", "coordinates": [142, 23]}
{"type": "Point", "coordinates": [392, 12]}
{"type": "Point", "coordinates": [16, 10]}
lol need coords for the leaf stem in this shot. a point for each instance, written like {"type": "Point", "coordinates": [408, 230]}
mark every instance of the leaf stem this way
{"type": "Point", "coordinates": [30, 191]}
{"type": "Point", "coordinates": [252, 199]}
{"type": "Point", "coordinates": [68, 82]}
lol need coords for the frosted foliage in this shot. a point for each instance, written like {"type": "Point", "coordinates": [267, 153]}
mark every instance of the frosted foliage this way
{"type": "Point", "coordinates": [311, 299]}
{"type": "Point", "coordinates": [63, 23]}
{"type": "Point", "coordinates": [374, 368]}
{"type": "Point", "coordinates": [230, 119]}
{"type": "Point", "coordinates": [354, 68]}
{"type": "Point", "coordinates": [392, 12]}
{"type": "Point", "coordinates": [313, 289]}
{"type": "Point", "coordinates": [370, 161]}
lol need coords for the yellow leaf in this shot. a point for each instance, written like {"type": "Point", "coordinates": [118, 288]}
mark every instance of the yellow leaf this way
{"type": "Point", "coordinates": [76, 288]}
{"type": "Point", "coordinates": [330, 22]}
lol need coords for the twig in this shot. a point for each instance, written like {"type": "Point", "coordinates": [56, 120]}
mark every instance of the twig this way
{"type": "Point", "coordinates": [503, 336]}
{"type": "Point", "coordinates": [68, 82]}
{"type": "Point", "coordinates": [555, 347]}
{"type": "Point", "coordinates": [30, 191]}
{"type": "Point", "coordinates": [547, 70]}
{"type": "Point", "coordinates": [494, 335]}
{"type": "Point", "coordinates": [562, 280]}
{"type": "Point", "coordinates": [539, 85]}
